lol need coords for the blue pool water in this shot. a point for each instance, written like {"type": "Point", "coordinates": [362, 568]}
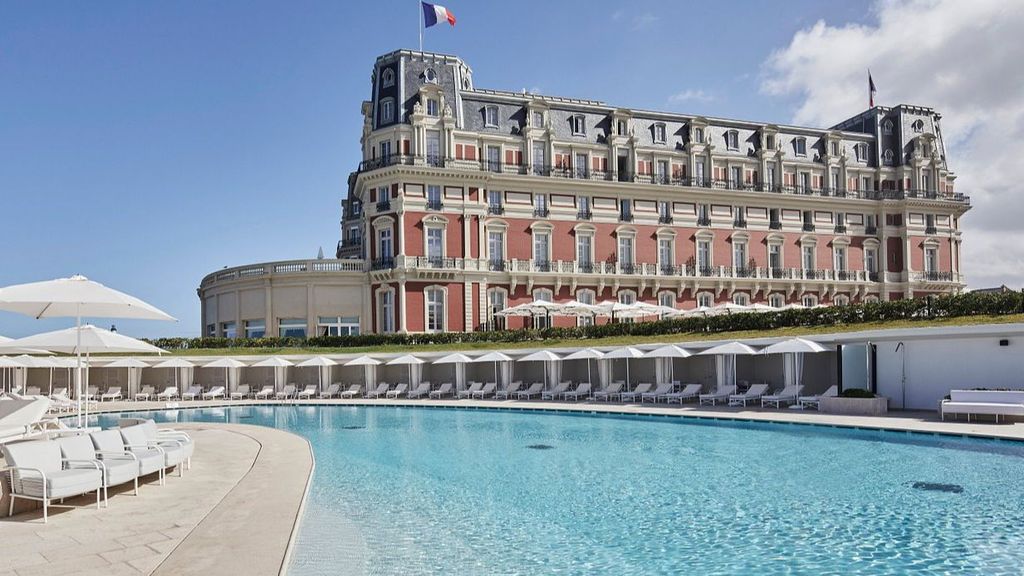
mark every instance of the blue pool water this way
{"type": "Point", "coordinates": [432, 491]}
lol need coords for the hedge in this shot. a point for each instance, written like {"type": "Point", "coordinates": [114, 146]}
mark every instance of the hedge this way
{"type": "Point", "coordinates": [946, 306]}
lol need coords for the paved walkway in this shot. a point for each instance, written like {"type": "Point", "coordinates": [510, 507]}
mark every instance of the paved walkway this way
{"type": "Point", "coordinates": [201, 523]}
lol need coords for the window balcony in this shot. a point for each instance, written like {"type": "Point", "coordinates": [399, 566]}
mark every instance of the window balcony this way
{"type": "Point", "coordinates": [584, 215]}
{"type": "Point", "coordinates": [739, 224]}
{"type": "Point", "coordinates": [670, 270]}
{"type": "Point", "coordinates": [625, 217]}
{"type": "Point", "coordinates": [628, 268]}
{"type": "Point", "coordinates": [935, 276]}
{"type": "Point", "coordinates": [383, 205]}
{"type": "Point", "coordinates": [382, 264]}
{"type": "Point", "coordinates": [542, 266]}
{"type": "Point", "coordinates": [775, 225]}
{"type": "Point", "coordinates": [495, 209]}
{"type": "Point", "coordinates": [540, 212]}
{"type": "Point", "coordinates": [846, 275]}
{"type": "Point", "coordinates": [585, 267]}
{"type": "Point", "coordinates": [808, 227]}
{"type": "Point", "coordinates": [435, 161]}
{"type": "Point", "coordinates": [840, 229]}
{"type": "Point", "coordinates": [497, 265]}
{"type": "Point", "coordinates": [665, 219]}
{"type": "Point", "coordinates": [436, 205]}
{"type": "Point", "coordinates": [491, 166]}
{"type": "Point", "coordinates": [436, 262]}
{"type": "Point", "coordinates": [930, 230]}
{"type": "Point", "coordinates": [703, 221]}
{"type": "Point", "coordinates": [871, 230]}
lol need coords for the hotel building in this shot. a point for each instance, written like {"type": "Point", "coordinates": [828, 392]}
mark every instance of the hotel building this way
{"type": "Point", "coordinates": [469, 200]}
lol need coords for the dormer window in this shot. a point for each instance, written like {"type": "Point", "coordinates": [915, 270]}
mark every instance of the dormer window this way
{"type": "Point", "coordinates": [769, 142]}
{"type": "Point", "coordinates": [659, 133]}
{"type": "Point", "coordinates": [862, 151]}
{"type": "Point", "coordinates": [887, 128]}
{"type": "Point", "coordinates": [887, 157]}
{"type": "Point", "coordinates": [387, 78]}
{"type": "Point", "coordinates": [698, 135]}
{"type": "Point", "coordinates": [491, 116]}
{"type": "Point", "coordinates": [387, 111]}
{"type": "Point", "coordinates": [918, 126]}
{"type": "Point", "coordinates": [578, 123]}
{"type": "Point", "coordinates": [732, 140]}
{"type": "Point", "coordinates": [429, 76]}
{"type": "Point", "coordinates": [433, 107]}
{"type": "Point", "coordinates": [538, 119]}
{"type": "Point", "coordinates": [800, 146]}
{"type": "Point", "coordinates": [621, 128]}
{"type": "Point", "coordinates": [835, 148]}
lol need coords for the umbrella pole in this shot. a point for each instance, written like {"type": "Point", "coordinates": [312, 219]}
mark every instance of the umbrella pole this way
{"type": "Point", "coordinates": [78, 366]}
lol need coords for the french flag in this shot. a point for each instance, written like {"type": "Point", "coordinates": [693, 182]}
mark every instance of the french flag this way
{"type": "Point", "coordinates": [434, 13]}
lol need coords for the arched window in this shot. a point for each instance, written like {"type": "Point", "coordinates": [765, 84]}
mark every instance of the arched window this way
{"type": "Point", "coordinates": [887, 128]}
{"type": "Point", "coordinates": [626, 297]}
{"type": "Point", "coordinates": [840, 300]}
{"type": "Point", "coordinates": [741, 298]}
{"type": "Point", "coordinates": [543, 320]}
{"type": "Point", "coordinates": [809, 300]}
{"type": "Point", "coordinates": [585, 296]}
{"type": "Point", "coordinates": [388, 78]}
{"type": "Point", "coordinates": [705, 300]}
{"type": "Point", "coordinates": [776, 300]}
{"type": "Point", "coordinates": [888, 157]}
{"type": "Point", "coordinates": [667, 298]}
{"type": "Point", "coordinates": [918, 126]}
{"type": "Point", "coordinates": [497, 300]}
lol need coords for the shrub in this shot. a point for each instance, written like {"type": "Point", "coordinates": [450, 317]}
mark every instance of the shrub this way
{"type": "Point", "coordinates": [856, 393]}
{"type": "Point", "coordinates": [946, 306]}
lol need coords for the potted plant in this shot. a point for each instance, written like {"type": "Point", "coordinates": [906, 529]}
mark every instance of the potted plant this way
{"type": "Point", "coordinates": [857, 402]}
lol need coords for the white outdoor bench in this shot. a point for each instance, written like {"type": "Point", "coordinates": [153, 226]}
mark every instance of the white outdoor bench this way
{"type": "Point", "coordinates": [994, 402]}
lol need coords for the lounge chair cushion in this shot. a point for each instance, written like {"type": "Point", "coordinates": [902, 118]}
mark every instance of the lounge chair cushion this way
{"type": "Point", "coordinates": [153, 434]}
{"type": "Point", "coordinates": [62, 483]}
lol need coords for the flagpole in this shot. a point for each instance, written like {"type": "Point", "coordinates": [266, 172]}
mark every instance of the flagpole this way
{"type": "Point", "coordinates": [419, 8]}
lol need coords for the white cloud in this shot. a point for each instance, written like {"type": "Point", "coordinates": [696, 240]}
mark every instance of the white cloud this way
{"type": "Point", "coordinates": [955, 56]}
{"type": "Point", "coordinates": [691, 95]}
{"type": "Point", "coordinates": [643, 21]}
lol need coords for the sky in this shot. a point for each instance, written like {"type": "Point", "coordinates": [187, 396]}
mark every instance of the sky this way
{"type": "Point", "coordinates": [147, 144]}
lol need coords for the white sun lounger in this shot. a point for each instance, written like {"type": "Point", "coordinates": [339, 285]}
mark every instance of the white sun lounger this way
{"type": "Point", "coordinates": [657, 394]}
{"type": "Point", "coordinates": [331, 391]}
{"type": "Point", "coordinates": [445, 389]}
{"type": "Point", "coordinates": [38, 472]}
{"type": "Point", "coordinates": [145, 393]}
{"type": "Point", "coordinates": [308, 392]}
{"type": "Point", "coordinates": [214, 393]}
{"type": "Point", "coordinates": [117, 467]}
{"type": "Point", "coordinates": [193, 393]}
{"type": "Point", "coordinates": [557, 391]}
{"type": "Point", "coordinates": [754, 393]}
{"type": "Point", "coordinates": [59, 392]}
{"type": "Point", "coordinates": [468, 393]}
{"type": "Point", "coordinates": [422, 390]}
{"type": "Point", "coordinates": [787, 395]}
{"type": "Point", "coordinates": [169, 393]}
{"type": "Point", "coordinates": [33, 391]}
{"type": "Point", "coordinates": [815, 400]}
{"type": "Point", "coordinates": [149, 461]}
{"type": "Point", "coordinates": [400, 389]}
{"type": "Point", "coordinates": [487, 390]}
{"type": "Point", "coordinates": [582, 390]}
{"type": "Point", "coordinates": [381, 390]}
{"type": "Point", "coordinates": [612, 391]}
{"type": "Point", "coordinates": [535, 389]}
{"type": "Point", "coordinates": [112, 393]}
{"type": "Point", "coordinates": [166, 437]}
{"type": "Point", "coordinates": [353, 391]}
{"type": "Point", "coordinates": [22, 418]}
{"type": "Point", "coordinates": [689, 392]}
{"type": "Point", "coordinates": [265, 393]}
{"type": "Point", "coordinates": [508, 392]}
{"type": "Point", "coordinates": [288, 392]}
{"type": "Point", "coordinates": [241, 392]}
{"type": "Point", "coordinates": [90, 393]}
{"type": "Point", "coordinates": [720, 395]}
{"type": "Point", "coordinates": [638, 392]}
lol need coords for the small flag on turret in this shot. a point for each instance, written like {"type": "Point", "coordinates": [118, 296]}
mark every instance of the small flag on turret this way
{"type": "Point", "coordinates": [434, 13]}
{"type": "Point", "coordinates": [871, 91]}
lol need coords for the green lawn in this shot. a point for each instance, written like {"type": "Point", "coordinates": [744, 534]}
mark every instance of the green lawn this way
{"type": "Point", "coordinates": [613, 341]}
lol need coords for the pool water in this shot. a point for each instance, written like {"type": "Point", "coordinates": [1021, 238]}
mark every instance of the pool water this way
{"type": "Point", "coordinates": [446, 491]}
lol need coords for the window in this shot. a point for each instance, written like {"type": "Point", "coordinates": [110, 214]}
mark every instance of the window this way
{"type": "Point", "coordinates": [808, 217]}
{"type": "Point", "coordinates": [871, 260]}
{"type": "Point", "coordinates": [887, 127]}
{"type": "Point", "coordinates": [839, 253]}
{"type": "Point", "coordinates": [626, 297]}
{"type": "Point", "coordinates": [769, 176]}
{"type": "Point", "coordinates": [584, 252]}
{"type": "Point", "coordinates": [584, 207]}
{"type": "Point", "coordinates": [775, 256]}
{"type": "Point", "coordinates": [541, 249]}
{"type": "Point", "coordinates": [385, 150]}
{"type": "Point", "coordinates": [433, 107]}
{"type": "Point", "coordinates": [808, 257]}
{"type": "Point", "coordinates": [585, 297]}
{"type": "Point", "coordinates": [435, 244]}
{"type": "Point", "coordinates": [291, 328]}
{"type": "Point", "coordinates": [255, 328]}
{"type": "Point", "coordinates": [929, 223]}
{"type": "Point", "coordinates": [861, 150]}
{"type": "Point", "coordinates": [621, 128]}
{"type": "Point", "coordinates": [810, 300]}
{"type": "Point", "coordinates": [494, 198]}
{"type": "Point", "coordinates": [493, 158]}
{"type": "Point", "coordinates": [840, 222]}
{"type": "Point", "coordinates": [741, 299]}
{"type": "Point", "coordinates": [698, 172]}
{"type": "Point", "coordinates": [805, 182]}
{"type": "Point", "coordinates": [433, 197]}
{"type": "Point", "coordinates": [871, 299]}
{"type": "Point", "coordinates": [800, 146]}
{"type": "Point", "coordinates": [497, 300]}
{"type": "Point", "coordinates": [386, 248]}
{"type": "Point", "coordinates": [538, 119]}
{"type": "Point", "coordinates": [931, 259]}
{"type": "Point", "coordinates": [626, 252]}
{"type": "Point", "coordinates": [387, 110]}
{"type": "Point", "coordinates": [491, 116]}
{"type": "Point", "coordinates": [228, 330]}
{"type": "Point", "coordinates": [840, 300]}
{"type": "Point", "coordinates": [774, 219]}
{"type": "Point", "coordinates": [434, 147]}
{"type": "Point", "coordinates": [926, 180]}
{"type": "Point", "coordinates": [703, 215]}
{"type": "Point", "coordinates": [661, 172]}
{"type": "Point", "coordinates": [434, 298]}
{"type": "Point", "coordinates": [578, 124]}
{"type": "Point", "coordinates": [496, 249]}
{"type": "Point", "coordinates": [337, 326]}
{"type": "Point", "coordinates": [705, 300]}
{"type": "Point", "coordinates": [538, 158]}
{"type": "Point", "coordinates": [540, 205]}
{"type": "Point", "coordinates": [739, 255]}
{"type": "Point", "coordinates": [835, 180]}
{"type": "Point", "coordinates": [659, 133]}
{"type": "Point", "coordinates": [667, 299]}
{"type": "Point", "coordinates": [834, 148]}
{"type": "Point", "coordinates": [769, 142]}
{"type": "Point", "coordinates": [386, 311]}
{"type": "Point", "coordinates": [732, 140]}
{"type": "Point", "coordinates": [544, 320]}
{"type": "Point", "coordinates": [625, 210]}
{"type": "Point", "coordinates": [388, 78]}
{"type": "Point", "coordinates": [430, 76]}
{"type": "Point", "coordinates": [918, 126]}
{"type": "Point", "coordinates": [735, 177]}
{"type": "Point", "coordinates": [698, 135]}
{"type": "Point", "coordinates": [664, 211]}
{"type": "Point", "coordinates": [703, 256]}
{"type": "Point", "coordinates": [665, 253]}
{"type": "Point", "coordinates": [888, 157]}
{"type": "Point", "coordinates": [581, 166]}
{"type": "Point", "coordinates": [776, 300]}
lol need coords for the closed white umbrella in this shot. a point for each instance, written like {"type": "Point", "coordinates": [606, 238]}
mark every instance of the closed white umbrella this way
{"type": "Point", "coordinates": [368, 363]}
{"type": "Point", "coordinates": [320, 362]}
{"type": "Point", "coordinates": [587, 354]}
{"type": "Point", "coordinates": [76, 297]}
{"type": "Point", "coordinates": [406, 360]}
{"type": "Point", "coordinates": [459, 361]}
{"type": "Point", "coordinates": [628, 353]}
{"type": "Point", "coordinates": [227, 364]}
{"type": "Point", "coordinates": [128, 364]}
{"type": "Point", "coordinates": [544, 356]}
{"type": "Point", "coordinates": [671, 352]}
{"type": "Point", "coordinates": [725, 361]}
{"type": "Point", "coordinates": [794, 349]}
{"type": "Point", "coordinates": [494, 357]}
{"type": "Point", "coordinates": [278, 364]}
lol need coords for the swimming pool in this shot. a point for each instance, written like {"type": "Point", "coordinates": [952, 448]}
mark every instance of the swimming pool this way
{"type": "Point", "coordinates": [401, 490]}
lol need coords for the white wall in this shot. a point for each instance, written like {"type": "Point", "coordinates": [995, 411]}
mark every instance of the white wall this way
{"type": "Point", "coordinates": [934, 367]}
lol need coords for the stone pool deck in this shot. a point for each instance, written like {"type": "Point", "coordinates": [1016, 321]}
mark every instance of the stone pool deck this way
{"type": "Point", "coordinates": [234, 512]}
